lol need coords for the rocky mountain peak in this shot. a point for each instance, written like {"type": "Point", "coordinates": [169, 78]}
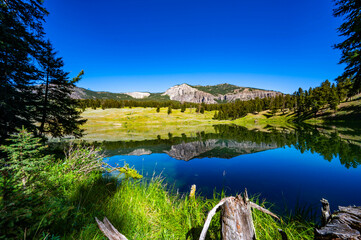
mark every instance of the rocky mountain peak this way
{"type": "Point", "coordinates": [138, 95]}
{"type": "Point", "coordinates": [186, 93]}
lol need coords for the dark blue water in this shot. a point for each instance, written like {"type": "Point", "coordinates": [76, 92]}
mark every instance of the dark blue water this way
{"type": "Point", "coordinates": [288, 169]}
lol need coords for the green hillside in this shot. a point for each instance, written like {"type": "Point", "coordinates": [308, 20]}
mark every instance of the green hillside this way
{"type": "Point", "coordinates": [89, 94]}
{"type": "Point", "coordinates": [217, 89]}
{"type": "Point", "coordinates": [221, 89]}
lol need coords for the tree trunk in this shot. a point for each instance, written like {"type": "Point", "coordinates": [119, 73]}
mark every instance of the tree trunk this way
{"type": "Point", "coordinates": [237, 222]}
{"type": "Point", "coordinates": [45, 103]}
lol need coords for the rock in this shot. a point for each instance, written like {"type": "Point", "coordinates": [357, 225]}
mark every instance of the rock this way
{"type": "Point", "coordinates": [138, 95]}
{"type": "Point", "coordinates": [186, 93]}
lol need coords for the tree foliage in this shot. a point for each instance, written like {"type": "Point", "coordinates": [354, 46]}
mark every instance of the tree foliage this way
{"type": "Point", "coordinates": [350, 29]}
{"type": "Point", "coordinates": [33, 87]}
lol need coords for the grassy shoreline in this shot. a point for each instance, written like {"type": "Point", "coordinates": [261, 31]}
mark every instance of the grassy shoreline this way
{"type": "Point", "coordinates": [151, 210]}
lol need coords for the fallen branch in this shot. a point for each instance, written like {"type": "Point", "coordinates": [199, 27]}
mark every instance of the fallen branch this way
{"type": "Point", "coordinates": [259, 208]}
{"type": "Point", "coordinates": [109, 230]}
{"type": "Point", "coordinates": [210, 216]}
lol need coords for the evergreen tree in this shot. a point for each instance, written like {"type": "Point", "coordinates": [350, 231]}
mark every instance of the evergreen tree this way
{"type": "Point", "coordinates": [21, 180]}
{"type": "Point", "coordinates": [57, 111]}
{"type": "Point", "coordinates": [25, 159]}
{"type": "Point", "coordinates": [215, 115]}
{"type": "Point", "coordinates": [300, 101]}
{"type": "Point", "coordinates": [169, 110]}
{"type": "Point", "coordinates": [158, 109]}
{"type": "Point", "coordinates": [333, 99]}
{"type": "Point", "coordinates": [21, 34]}
{"type": "Point", "coordinates": [183, 107]}
{"type": "Point", "coordinates": [350, 30]}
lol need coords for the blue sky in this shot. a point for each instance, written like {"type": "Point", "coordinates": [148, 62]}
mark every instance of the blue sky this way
{"type": "Point", "coordinates": [151, 45]}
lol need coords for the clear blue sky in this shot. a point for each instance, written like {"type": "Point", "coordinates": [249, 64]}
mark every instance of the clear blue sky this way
{"type": "Point", "coordinates": [151, 45]}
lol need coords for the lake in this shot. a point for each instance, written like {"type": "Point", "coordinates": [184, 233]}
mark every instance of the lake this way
{"type": "Point", "coordinates": [291, 167]}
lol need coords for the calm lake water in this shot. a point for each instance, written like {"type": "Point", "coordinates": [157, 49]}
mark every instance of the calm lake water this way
{"type": "Point", "coordinates": [289, 167]}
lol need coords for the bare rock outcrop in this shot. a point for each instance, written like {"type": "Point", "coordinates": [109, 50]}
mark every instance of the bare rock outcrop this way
{"type": "Point", "coordinates": [186, 93]}
{"type": "Point", "coordinates": [138, 95]}
{"type": "Point", "coordinates": [78, 93]}
{"type": "Point", "coordinates": [245, 94]}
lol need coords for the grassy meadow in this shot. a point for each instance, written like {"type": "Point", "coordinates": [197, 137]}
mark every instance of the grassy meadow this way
{"type": "Point", "coordinates": [145, 123]}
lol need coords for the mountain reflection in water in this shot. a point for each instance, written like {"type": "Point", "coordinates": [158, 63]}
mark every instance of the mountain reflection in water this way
{"type": "Point", "coordinates": [285, 166]}
{"type": "Point", "coordinates": [231, 140]}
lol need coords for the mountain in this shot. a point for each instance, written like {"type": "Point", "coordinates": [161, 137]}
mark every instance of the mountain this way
{"type": "Point", "coordinates": [184, 93]}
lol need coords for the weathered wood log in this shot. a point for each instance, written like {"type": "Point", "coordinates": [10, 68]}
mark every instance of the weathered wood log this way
{"type": "Point", "coordinates": [342, 224]}
{"type": "Point", "coordinates": [326, 212]}
{"type": "Point", "coordinates": [237, 222]}
{"type": "Point", "coordinates": [109, 230]}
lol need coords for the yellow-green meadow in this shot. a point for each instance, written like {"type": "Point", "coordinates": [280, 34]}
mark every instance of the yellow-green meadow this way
{"type": "Point", "coordinates": [145, 123]}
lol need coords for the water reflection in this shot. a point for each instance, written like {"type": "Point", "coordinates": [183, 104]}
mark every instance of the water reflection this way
{"type": "Point", "coordinates": [231, 141]}
{"type": "Point", "coordinates": [283, 165]}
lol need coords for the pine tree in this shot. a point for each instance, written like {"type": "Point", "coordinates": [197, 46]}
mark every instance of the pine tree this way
{"type": "Point", "coordinates": [169, 110]}
{"type": "Point", "coordinates": [21, 34]}
{"type": "Point", "coordinates": [350, 30]}
{"type": "Point", "coordinates": [57, 111]}
{"type": "Point", "coordinates": [158, 109]}
{"type": "Point", "coordinates": [183, 108]}
{"type": "Point", "coordinates": [25, 159]}
{"type": "Point", "coordinates": [215, 115]}
{"type": "Point", "coordinates": [333, 99]}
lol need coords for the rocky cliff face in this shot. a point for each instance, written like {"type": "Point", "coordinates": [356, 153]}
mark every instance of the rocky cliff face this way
{"type": "Point", "coordinates": [186, 93]}
{"type": "Point", "coordinates": [138, 95]}
{"type": "Point", "coordinates": [78, 93]}
{"type": "Point", "coordinates": [247, 94]}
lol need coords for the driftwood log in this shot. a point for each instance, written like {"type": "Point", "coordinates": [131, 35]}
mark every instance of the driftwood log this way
{"type": "Point", "coordinates": [342, 224]}
{"type": "Point", "coordinates": [109, 230]}
{"type": "Point", "coordinates": [236, 218]}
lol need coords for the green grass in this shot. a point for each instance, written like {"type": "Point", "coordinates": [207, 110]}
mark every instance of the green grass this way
{"type": "Point", "coordinates": [146, 210]}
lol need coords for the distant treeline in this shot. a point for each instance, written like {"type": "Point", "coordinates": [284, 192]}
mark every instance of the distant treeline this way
{"type": "Point", "coordinates": [111, 103]}
{"type": "Point", "coordinates": [302, 102]}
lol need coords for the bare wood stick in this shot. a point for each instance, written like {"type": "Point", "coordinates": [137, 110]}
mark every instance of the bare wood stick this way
{"type": "Point", "coordinates": [259, 208]}
{"type": "Point", "coordinates": [109, 230]}
{"type": "Point", "coordinates": [210, 216]}
{"type": "Point", "coordinates": [326, 212]}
